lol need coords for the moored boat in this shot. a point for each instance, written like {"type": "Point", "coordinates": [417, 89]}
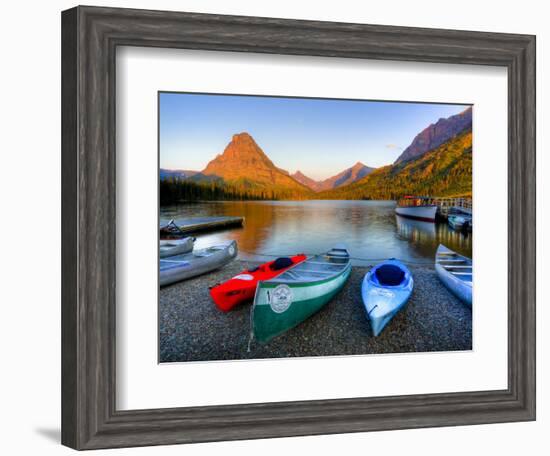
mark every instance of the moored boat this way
{"type": "Point", "coordinates": [173, 247]}
{"type": "Point", "coordinates": [385, 290]}
{"type": "Point", "coordinates": [455, 271]}
{"type": "Point", "coordinates": [416, 207]}
{"type": "Point", "coordinates": [187, 265]}
{"type": "Point", "coordinates": [242, 287]}
{"type": "Point", "coordinates": [460, 222]}
{"type": "Point", "coordinates": [287, 300]}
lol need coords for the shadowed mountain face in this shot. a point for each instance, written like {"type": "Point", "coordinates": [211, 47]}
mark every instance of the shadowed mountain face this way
{"type": "Point", "coordinates": [436, 134]}
{"type": "Point", "coordinates": [346, 177]}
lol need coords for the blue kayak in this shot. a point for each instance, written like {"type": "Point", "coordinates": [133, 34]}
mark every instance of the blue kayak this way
{"type": "Point", "coordinates": [386, 289]}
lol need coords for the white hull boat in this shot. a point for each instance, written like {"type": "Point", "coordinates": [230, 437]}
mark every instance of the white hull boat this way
{"type": "Point", "coordinates": [425, 213]}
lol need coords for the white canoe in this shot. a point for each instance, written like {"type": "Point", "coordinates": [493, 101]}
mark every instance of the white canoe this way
{"type": "Point", "coordinates": [173, 247]}
{"type": "Point", "coordinates": [455, 271]}
{"type": "Point", "coordinates": [187, 265]}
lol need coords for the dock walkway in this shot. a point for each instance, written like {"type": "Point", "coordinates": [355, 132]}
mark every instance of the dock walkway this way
{"type": "Point", "coordinates": [202, 224]}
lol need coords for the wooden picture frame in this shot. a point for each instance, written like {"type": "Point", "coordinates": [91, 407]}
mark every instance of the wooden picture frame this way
{"type": "Point", "coordinates": [90, 37]}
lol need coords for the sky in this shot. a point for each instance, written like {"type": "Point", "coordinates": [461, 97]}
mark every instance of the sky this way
{"type": "Point", "coordinates": [319, 137]}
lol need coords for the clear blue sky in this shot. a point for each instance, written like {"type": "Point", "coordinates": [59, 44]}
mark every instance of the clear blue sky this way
{"type": "Point", "coordinates": [318, 137]}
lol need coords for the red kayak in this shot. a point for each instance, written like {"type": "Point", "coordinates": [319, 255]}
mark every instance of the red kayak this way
{"type": "Point", "coordinates": [243, 286]}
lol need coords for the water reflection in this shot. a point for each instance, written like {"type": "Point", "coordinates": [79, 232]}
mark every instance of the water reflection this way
{"type": "Point", "coordinates": [426, 236]}
{"type": "Point", "coordinates": [370, 229]}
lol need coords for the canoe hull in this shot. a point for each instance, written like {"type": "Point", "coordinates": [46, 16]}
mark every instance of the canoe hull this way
{"type": "Point", "coordinates": [168, 248]}
{"type": "Point", "coordinates": [382, 303]}
{"type": "Point", "coordinates": [460, 288]}
{"type": "Point", "coordinates": [279, 307]}
{"type": "Point", "coordinates": [186, 266]}
{"type": "Point", "coordinates": [425, 213]}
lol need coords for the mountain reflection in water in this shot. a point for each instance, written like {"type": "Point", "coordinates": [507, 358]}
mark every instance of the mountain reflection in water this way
{"type": "Point", "coordinates": [370, 229]}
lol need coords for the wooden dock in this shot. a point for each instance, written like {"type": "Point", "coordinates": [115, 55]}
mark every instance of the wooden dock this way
{"type": "Point", "coordinates": [448, 205]}
{"type": "Point", "coordinates": [203, 224]}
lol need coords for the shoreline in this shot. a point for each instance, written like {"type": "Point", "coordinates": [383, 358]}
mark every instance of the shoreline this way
{"type": "Point", "coordinates": [193, 329]}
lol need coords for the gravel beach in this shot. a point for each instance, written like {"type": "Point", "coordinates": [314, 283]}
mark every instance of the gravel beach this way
{"type": "Point", "coordinates": [193, 329]}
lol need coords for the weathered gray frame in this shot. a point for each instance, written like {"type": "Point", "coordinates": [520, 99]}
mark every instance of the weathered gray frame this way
{"type": "Point", "coordinates": [90, 36]}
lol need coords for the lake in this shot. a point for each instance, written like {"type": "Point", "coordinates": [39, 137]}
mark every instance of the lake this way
{"type": "Point", "coordinates": [370, 229]}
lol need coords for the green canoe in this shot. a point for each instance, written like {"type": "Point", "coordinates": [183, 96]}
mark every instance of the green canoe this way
{"type": "Point", "coordinates": [290, 298]}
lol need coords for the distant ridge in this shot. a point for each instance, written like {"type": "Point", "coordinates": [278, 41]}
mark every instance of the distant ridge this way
{"type": "Point", "coordinates": [346, 177]}
{"type": "Point", "coordinates": [436, 134]}
{"type": "Point", "coordinates": [307, 181]}
{"type": "Point", "coordinates": [177, 174]}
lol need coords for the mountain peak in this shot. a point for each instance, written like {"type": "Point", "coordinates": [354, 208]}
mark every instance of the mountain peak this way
{"type": "Point", "coordinates": [244, 161]}
{"type": "Point", "coordinates": [242, 137]}
{"type": "Point", "coordinates": [348, 176]}
{"type": "Point", "coordinates": [436, 134]}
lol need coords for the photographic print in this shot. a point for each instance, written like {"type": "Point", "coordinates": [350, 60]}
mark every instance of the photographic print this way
{"type": "Point", "coordinates": [300, 227]}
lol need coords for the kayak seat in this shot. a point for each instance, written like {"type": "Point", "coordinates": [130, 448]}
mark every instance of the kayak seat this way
{"type": "Point", "coordinates": [281, 263]}
{"type": "Point", "coordinates": [389, 274]}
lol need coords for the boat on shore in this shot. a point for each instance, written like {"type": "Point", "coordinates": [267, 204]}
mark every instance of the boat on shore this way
{"type": "Point", "coordinates": [173, 247]}
{"type": "Point", "coordinates": [287, 300]}
{"type": "Point", "coordinates": [181, 267]}
{"type": "Point", "coordinates": [385, 290]}
{"type": "Point", "coordinates": [455, 271]}
{"type": "Point", "coordinates": [242, 287]}
{"type": "Point", "coordinates": [417, 207]}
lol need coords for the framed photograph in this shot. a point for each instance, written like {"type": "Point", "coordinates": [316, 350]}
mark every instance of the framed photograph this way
{"type": "Point", "coordinates": [279, 228]}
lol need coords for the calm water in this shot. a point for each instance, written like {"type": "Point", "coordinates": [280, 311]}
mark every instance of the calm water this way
{"type": "Point", "coordinates": [370, 229]}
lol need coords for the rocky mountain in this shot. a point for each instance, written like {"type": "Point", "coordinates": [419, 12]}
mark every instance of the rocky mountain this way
{"type": "Point", "coordinates": [436, 134]}
{"type": "Point", "coordinates": [346, 177]}
{"type": "Point", "coordinates": [244, 166]}
{"type": "Point", "coordinates": [443, 171]}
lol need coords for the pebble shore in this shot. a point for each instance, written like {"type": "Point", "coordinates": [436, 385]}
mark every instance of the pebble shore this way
{"type": "Point", "coordinates": [193, 329]}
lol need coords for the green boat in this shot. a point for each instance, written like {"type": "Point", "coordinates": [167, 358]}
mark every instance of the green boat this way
{"type": "Point", "coordinates": [287, 300]}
